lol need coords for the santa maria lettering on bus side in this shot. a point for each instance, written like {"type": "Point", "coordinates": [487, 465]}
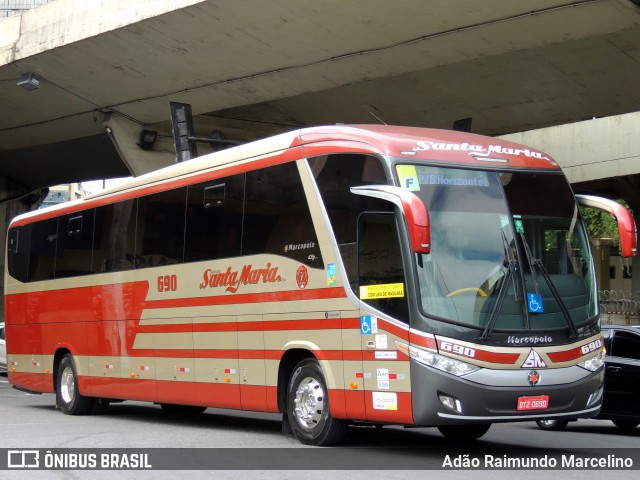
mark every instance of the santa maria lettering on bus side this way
{"type": "Point", "coordinates": [479, 150]}
{"type": "Point", "coordinates": [233, 279]}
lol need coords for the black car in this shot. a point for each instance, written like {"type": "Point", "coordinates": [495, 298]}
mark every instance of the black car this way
{"type": "Point", "coordinates": [621, 402]}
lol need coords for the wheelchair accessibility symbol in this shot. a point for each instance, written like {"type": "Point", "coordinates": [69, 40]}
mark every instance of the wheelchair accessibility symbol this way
{"type": "Point", "coordinates": [535, 303]}
{"type": "Point", "coordinates": [368, 324]}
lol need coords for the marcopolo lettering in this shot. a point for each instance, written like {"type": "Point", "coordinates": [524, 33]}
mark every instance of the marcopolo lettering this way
{"type": "Point", "coordinates": [533, 340]}
{"type": "Point", "coordinates": [233, 279]}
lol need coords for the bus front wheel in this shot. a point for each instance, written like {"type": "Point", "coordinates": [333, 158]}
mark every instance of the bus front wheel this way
{"type": "Point", "coordinates": [308, 407]}
{"type": "Point", "coordinates": [552, 424]}
{"type": "Point", "coordinates": [68, 396]}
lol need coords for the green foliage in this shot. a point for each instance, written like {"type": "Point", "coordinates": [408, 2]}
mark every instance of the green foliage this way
{"type": "Point", "coordinates": [600, 224]}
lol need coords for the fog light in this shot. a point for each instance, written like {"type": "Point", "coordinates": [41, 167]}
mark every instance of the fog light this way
{"type": "Point", "coordinates": [451, 403]}
{"type": "Point", "coordinates": [595, 397]}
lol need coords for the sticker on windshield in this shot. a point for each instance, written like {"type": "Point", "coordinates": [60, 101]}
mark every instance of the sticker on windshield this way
{"type": "Point", "coordinates": [535, 303]}
{"type": "Point", "coordinates": [386, 290]}
{"type": "Point", "coordinates": [519, 225]}
{"type": "Point", "coordinates": [408, 177]}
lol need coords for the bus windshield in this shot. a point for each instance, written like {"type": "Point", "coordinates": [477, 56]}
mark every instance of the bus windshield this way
{"type": "Point", "coordinates": [509, 251]}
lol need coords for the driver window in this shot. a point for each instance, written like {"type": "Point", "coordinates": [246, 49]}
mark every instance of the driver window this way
{"type": "Point", "coordinates": [380, 270]}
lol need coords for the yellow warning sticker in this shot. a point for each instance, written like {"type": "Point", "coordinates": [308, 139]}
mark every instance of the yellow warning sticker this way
{"type": "Point", "coordinates": [384, 290]}
{"type": "Point", "coordinates": [408, 177]}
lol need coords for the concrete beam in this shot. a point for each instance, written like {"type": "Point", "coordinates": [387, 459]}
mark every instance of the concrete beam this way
{"type": "Point", "coordinates": [591, 150]}
{"type": "Point", "coordinates": [63, 22]}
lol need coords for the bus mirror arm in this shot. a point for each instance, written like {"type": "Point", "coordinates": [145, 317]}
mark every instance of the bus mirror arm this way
{"type": "Point", "coordinates": [412, 207]}
{"type": "Point", "coordinates": [626, 223]}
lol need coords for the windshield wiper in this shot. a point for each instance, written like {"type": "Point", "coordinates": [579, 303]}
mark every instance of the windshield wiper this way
{"type": "Point", "coordinates": [537, 264]}
{"type": "Point", "coordinates": [512, 267]}
{"type": "Point", "coordinates": [507, 279]}
{"type": "Point", "coordinates": [554, 291]}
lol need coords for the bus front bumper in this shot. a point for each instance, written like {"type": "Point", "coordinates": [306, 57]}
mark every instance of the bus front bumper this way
{"type": "Point", "coordinates": [493, 396]}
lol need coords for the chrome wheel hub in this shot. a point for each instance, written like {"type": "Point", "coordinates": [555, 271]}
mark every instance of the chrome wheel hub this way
{"type": "Point", "coordinates": [67, 385]}
{"type": "Point", "coordinates": [309, 403]}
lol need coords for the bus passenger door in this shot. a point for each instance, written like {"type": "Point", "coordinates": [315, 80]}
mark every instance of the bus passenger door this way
{"type": "Point", "coordinates": [382, 286]}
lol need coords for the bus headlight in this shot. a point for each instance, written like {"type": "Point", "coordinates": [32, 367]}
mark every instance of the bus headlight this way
{"type": "Point", "coordinates": [445, 364]}
{"type": "Point", "coordinates": [594, 363]}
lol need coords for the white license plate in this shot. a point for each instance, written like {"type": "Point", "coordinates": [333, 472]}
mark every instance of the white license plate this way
{"type": "Point", "coordinates": [539, 402]}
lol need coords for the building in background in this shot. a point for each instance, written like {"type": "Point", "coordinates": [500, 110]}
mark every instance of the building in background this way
{"type": "Point", "coordinates": [63, 193]}
{"type": "Point", "coordinates": [9, 8]}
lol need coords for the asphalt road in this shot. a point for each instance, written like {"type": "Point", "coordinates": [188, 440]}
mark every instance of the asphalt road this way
{"type": "Point", "coordinates": [32, 422]}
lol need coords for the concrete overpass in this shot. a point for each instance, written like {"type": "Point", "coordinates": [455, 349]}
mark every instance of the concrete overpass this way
{"type": "Point", "coordinates": [254, 68]}
{"type": "Point", "coordinates": [107, 69]}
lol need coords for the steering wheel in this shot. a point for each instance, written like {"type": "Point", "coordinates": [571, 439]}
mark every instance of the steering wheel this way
{"type": "Point", "coordinates": [476, 290]}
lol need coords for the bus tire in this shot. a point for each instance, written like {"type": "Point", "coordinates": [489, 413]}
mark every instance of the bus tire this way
{"type": "Point", "coordinates": [68, 397]}
{"type": "Point", "coordinates": [464, 432]}
{"type": "Point", "coordinates": [308, 407]}
{"type": "Point", "coordinates": [552, 424]}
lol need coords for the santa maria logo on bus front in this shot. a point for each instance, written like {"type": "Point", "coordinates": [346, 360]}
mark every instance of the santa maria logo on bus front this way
{"type": "Point", "coordinates": [232, 280]}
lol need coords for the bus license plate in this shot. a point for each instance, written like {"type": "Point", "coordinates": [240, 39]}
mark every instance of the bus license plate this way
{"type": "Point", "coordinates": [539, 402]}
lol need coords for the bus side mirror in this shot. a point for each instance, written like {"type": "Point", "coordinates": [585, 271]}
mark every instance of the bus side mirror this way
{"type": "Point", "coordinates": [626, 223]}
{"type": "Point", "coordinates": [412, 207]}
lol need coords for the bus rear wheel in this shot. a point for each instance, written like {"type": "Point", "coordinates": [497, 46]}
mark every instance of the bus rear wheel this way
{"type": "Point", "coordinates": [464, 432]}
{"type": "Point", "coordinates": [308, 407]}
{"type": "Point", "coordinates": [68, 396]}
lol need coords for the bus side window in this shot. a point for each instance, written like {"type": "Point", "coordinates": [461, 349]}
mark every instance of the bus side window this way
{"type": "Point", "coordinates": [75, 243]}
{"type": "Point", "coordinates": [18, 252]}
{"type": "Point", "coordinates": [42, 258]}
{"type": "Point", "coordinates": [381, 272]}
{"type": "Point", "coordinates": [277, 218]}
{"type": "Point", "coordinates": [160, 228]}
{"type": "Point", "coordinates": [114, 237]}
{"type": "Point", "coordinates": [335, 175]}
{"type": "Point", "coordinates": [214, 219]}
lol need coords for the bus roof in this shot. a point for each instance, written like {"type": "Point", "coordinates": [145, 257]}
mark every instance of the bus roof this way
{"type": "Point", "coordinates": [410, 143]}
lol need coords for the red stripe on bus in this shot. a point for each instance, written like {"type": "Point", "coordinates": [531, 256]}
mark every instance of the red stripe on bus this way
{"type": "Point", "coordinates": [565, 356]}
{"type": "Point", "coordinates": [496, 357]}
{"type": "Point", "coordinates": [127, 301]}
{"type": "Point", "coordinates": [393, 329]}
{"type": "Point", "coordinates": [100, 302]}
{"type": "Point", "coordinates": [243, 298]}
{"type": "Point", "coordinates": [422, 340]}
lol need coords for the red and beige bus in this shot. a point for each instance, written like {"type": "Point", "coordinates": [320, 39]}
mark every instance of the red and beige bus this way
{"type": "Point", "coordinates": [338, 275]}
